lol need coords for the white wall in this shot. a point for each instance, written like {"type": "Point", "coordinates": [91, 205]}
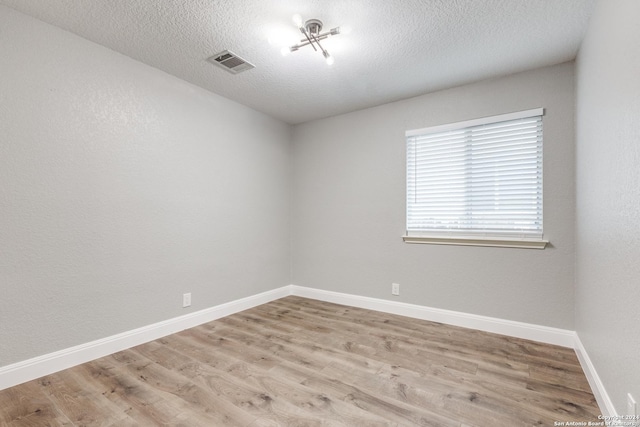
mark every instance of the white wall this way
{"type": "Point", "coordinates": [123, 187]}
{"type": "Point", "coordinates": [349, 206]}
{"type": "Point", "coordinates": [608, 197]}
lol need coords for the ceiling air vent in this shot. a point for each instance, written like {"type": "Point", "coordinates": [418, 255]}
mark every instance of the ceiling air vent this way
{"type": "Point", "coordinates": [230, 62]}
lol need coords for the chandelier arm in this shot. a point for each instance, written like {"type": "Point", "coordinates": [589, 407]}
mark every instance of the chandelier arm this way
{"type": "Point", "coordinates": [306, 34]}
{"type": "Point", "coordinates": [324, 52]}
{"type": "Point", "coordinates": [325, 35]}
{"type": "Point", "coordinates": [305, 42]}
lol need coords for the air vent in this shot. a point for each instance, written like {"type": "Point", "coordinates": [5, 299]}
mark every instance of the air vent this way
{"type": "Point", "coordinates": [230, 62]}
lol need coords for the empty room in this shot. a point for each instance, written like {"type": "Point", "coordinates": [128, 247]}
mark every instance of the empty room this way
{"type": "Point", "coordinates": [319, 213]}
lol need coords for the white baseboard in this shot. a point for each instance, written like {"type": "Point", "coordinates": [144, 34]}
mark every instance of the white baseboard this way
{"type": "Point", "coordinates": [37, 367]}
{"type": "Point", "coordinates": [599, 392]}
{"type": "Point", "coordinates": [545, 334]}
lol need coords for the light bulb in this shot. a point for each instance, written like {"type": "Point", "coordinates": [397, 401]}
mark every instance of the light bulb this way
{"type": "Point", "coordinates": [285, 51]}
{"type": "Point", "coordinates": [297, 19]}
{"type": "Point", "coordinates": [329, 59]}
{"type": "Point", "coordinates": [345, 29]}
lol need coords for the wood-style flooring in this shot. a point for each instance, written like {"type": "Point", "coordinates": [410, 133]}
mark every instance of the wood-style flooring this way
{"type": "Point", "coordinates": [300, 362]}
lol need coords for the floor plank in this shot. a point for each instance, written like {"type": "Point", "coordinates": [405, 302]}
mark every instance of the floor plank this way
{"type": "Point", "coordinates": [27, 405]}
{"type": "Point", "coordinates": [301, 362]}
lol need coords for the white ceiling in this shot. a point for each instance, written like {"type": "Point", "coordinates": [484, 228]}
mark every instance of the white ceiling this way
{"type": "Point", "coordinates": [397, 48]}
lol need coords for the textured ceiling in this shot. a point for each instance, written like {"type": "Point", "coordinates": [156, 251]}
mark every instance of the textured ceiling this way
{"type": "Point", "coordinates": [396, 49]}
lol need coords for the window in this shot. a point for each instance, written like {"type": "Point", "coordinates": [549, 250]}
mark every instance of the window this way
{"type": "Point", "coordinates": [477, 182]}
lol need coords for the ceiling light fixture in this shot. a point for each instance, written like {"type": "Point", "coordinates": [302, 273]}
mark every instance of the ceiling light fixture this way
{"type": "Point", "coordinates": [312, 32]}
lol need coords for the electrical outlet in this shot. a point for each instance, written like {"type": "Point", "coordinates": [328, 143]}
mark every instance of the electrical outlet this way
{"type": "Point", "coordinates": [632, 408]}
{"type": "Point", "coordinates": [186, 299]}
{"type": "Point", "coordinates": [395, 289]}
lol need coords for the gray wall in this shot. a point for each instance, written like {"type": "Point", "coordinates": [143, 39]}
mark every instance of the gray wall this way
{"type": "Point", "coordinates": [608, 197]}
{"type": "Point", "coordinates": [123, 187]}
{"type": "Point", "coordinates": [349, 206]}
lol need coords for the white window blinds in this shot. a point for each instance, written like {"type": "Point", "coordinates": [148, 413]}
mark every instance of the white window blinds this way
{"type": "Point", "coordinates": [477, 178]}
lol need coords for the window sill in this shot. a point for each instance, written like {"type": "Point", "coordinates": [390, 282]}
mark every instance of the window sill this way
{"type": "Point", "coordinates": [477, 241]}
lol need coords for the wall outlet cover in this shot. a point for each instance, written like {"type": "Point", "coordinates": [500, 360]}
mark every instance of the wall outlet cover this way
{"type": "Point", "coordinates": [186, 299]}
{"type": "Point", "coordinates": [395, 289]}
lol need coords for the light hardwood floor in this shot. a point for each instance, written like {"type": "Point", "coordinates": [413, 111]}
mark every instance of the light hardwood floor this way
{"type": "Point", "coordinates": [300, 362]}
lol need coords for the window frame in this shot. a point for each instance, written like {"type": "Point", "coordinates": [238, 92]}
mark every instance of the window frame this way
{"type": "Point", "coordinates": [444, 237]}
